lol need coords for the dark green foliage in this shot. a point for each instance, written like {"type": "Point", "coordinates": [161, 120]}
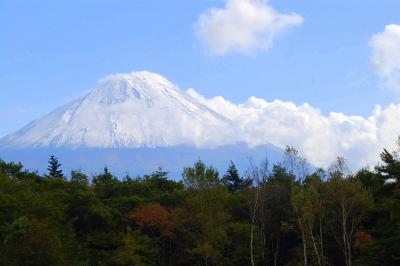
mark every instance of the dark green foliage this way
{"type": "Point", "coordinates": [203, 219]}
{"type": "Point", "coordinates": [383, 221]}
{"type": "Point", "coordinates": [391, 167]}
{"type": "Point", "coordinates": [79, 177]}
{"type": "Point", "coordinates": [29, 242]}
{"type": "Point", "coordinates": [135, 250]}
{"type": "Point", "coordinates": [54, 168]}
{"type": "Point", "coordinates": [208, 198]}
{"type": "Point", "coordinates": [10, 169]}
{"type": "Point", "coordinates": [233, 180]}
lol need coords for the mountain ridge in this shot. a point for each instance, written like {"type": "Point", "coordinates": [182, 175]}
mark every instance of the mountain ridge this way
{"type": "Point", "coordinates": [138, 109]}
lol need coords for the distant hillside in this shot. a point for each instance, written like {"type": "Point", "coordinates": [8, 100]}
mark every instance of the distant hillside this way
{"type": "Point", "coordinates": [139, 161]}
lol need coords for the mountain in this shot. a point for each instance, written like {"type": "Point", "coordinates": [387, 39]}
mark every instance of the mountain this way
{"type": "Point", "coordinates": [140, 109]}
{"type": "Point", "coordinates": [131, 122]}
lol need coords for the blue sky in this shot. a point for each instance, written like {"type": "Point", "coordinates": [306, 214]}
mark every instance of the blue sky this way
{"type": "Point", "coordinates": [53, 51]}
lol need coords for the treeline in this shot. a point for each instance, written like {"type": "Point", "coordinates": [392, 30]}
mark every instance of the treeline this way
{"type": "Point", "coordinates": [282, 214]}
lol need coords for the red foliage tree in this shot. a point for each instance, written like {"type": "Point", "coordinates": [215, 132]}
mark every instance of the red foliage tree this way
{"type": "Point", "coordinates": [362, 239]}
{"type": "Point", "coordinates": [154, 220]}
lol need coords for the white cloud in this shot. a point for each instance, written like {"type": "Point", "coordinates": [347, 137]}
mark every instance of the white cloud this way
{"type": "Point", "coordinates": [242, 26]}
{"type": "Point", "coordinates": [385, 57]}
{"type": "Point", "coordinates": [321, 138]}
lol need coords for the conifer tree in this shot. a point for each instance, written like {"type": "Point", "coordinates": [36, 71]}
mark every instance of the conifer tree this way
{"type": "Point", "coordinates": [105, 178]}
{"type": "Point", "coordinates": [232, 179]}
{"type": "Point", "coordinates": [79, 177]}
{"type": "Point", "coordinates": [54, 168]}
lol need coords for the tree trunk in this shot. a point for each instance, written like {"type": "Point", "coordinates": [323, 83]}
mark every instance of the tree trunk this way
{"type": "Point", "coordinates": [321, 239]}
{"type": "Point", "coordinates": [251, 244]}
{"type": "Point", "coordinates": [253, 213]}
{"type": "Point", "coordinates": [315, 247]}
{"type": "Point", "coordinates": [277, 251]}
{"type": "Point", "coordinates": [345, 237]}
{"type": "Point", "coordinates": [303, 235]}
{"type": "Point", "coordinates": [304, 247]}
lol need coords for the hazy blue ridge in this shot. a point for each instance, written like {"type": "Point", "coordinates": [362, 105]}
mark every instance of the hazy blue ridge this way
{"type": "Point", "coordinates": [139, 161]}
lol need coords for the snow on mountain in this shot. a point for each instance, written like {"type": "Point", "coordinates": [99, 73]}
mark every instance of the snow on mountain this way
{"type": "Point", "coordinates": [138, 109]}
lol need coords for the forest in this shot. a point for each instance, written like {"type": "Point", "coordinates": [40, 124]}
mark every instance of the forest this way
{"type": "Point", "coordinates": [288, 213]}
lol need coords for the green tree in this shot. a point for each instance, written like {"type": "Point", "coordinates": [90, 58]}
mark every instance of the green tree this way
{"type": "Point", "coordinates": [79, 177]}
{"type": "Point", "coordinates": [15, 171]}
{"type": "Point", "coordinates": [391, 166]}
{"type": "Point", "coordinates": [29, 242]}
{"type": "Point", "coordinates": [105, 184]}
{"type": "Point", "coordinates": [53, 169]}
{"type": "Point", "coordinates": [297, 167]}
{"type": "Point", "coordinates": [383, 221]}
{"type": "Point", "coordinates": [233, 180]}
{"type": "Point", "coordinates": [135, 250]}
{"type": "Point", "coordinates": [307, 203]}
{"type": "Point", "coordinates": [11, 169]}
{"type": "Point", "coordinates": [346, 203]}
{"type": "Point", "coordinates": [208, 198]}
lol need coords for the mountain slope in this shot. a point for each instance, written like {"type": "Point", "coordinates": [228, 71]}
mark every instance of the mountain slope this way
{"type": "Point", "coordinates": [139, 109]}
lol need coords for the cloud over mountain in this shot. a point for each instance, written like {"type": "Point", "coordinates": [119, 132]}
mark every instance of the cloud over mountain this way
{"type": "Point", "coordinates": [321, 138]}
{"type": "Point", "coordinates": [242, 26]}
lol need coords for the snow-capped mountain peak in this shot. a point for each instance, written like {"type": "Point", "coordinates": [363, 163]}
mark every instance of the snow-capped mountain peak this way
{"type": "Point", "coordinates": [138, 109]}
{"type": "Point", "coordinates": [145, 86]}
